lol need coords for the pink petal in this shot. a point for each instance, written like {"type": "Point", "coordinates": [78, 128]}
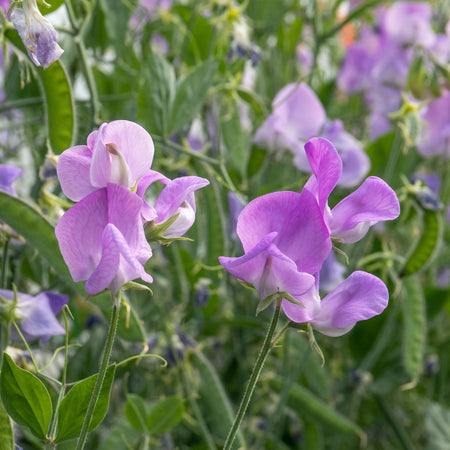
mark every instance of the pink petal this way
{"type": "Point", "coordinates": [372, 202]}
{"type": "Point", "coordinates": [360, 297]}
{"type": "Point", "coordinates": [74, 172]}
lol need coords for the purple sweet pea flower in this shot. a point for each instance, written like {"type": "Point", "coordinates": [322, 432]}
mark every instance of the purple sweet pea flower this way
{"type": "Point", "coordinates": [7, 176]}
{"type": "Point", "coordinates": [37, 34]}
{"type": "Point", "coordinates": [285, 241]}
{"type": "Point", "coordinates": [352, 217]}
{"type": "Point", "coordinates": [36, 315]}
{"type": "Point", "coordinates": [408, 23]}
{"type": "Point", "coordinates": [297, 116]}
{"type": "Point", "coordinates": [360, 297]}
{"type": "Point", "coordinates": [434, 138]}
{"type": "Point", "coordinates": [331, 274]}
{"type": "Point", "coordinates": [102, 239]}
{"type": "Point", "coordinates": [120, 152]}
{"type": "Point", "coordinates": [177, 197]}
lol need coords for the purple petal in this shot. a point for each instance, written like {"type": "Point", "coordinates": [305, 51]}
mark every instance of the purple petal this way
{"type": "Point", "coordinates": [302, 233]}
{"type": "Point", "coordinates": [360, 297]}
{"type": "Point", "coordinates": [148, 211]}
{"type": "Point", "coordinates": [327, 168]}
{"type": "Point", "coordinates": [331, 274]}
{"type": "Point", "coordinates": [7, 176]}
{"type": "Point", "coordinates": [74, 172]}
{"type": "Point", "coordinates": [268, 270]}
{"type": "Point", "coordinates": [100, 170]}
{"type": "Point", "coordinates": [301, 314]}
{"type": "Point", "coordinates": [372, 202]}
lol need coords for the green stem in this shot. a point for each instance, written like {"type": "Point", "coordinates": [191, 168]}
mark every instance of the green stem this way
{"type": "Point", "coordinates": [101, 373]}
{"type": "Point", "coordinates": [4, 264]}
{"type": "Point", "coordinates": [253, 378]}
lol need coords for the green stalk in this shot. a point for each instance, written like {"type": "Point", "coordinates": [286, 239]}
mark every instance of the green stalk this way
{"type": "Point", "coordinates": [101, 373]}
{"type": "Point", "coordinates": [4, 273]}
{"type": "Point", "coordinates": [253, 378]}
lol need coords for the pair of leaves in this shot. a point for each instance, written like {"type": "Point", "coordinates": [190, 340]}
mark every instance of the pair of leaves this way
{"type": "Point", "coordinates": [156, 418]}
{"type": "Point", "coordinates": [28, 402]}
{"type": "Point", "coordinates": [165, 105]}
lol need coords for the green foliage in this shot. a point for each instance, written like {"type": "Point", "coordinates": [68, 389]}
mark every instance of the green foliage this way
{"type": "Point", "coordinates": [25, 398]}
{"type": "Point", "coordinates": [74, 406]}
{"type": "Point", "coordinates": [6, 432]}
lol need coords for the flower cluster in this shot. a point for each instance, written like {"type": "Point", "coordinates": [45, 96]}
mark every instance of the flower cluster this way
{"type": "Point", "coordinates": [37, 33]}
{"type": "Point", "coordinates": [287, 237]}
{"type": "Point", "coordinates": [297, 116]}
{"type": "Point", "coordinates": [102, 237]}
{"type": "Point", "coordinates": [380, 63]}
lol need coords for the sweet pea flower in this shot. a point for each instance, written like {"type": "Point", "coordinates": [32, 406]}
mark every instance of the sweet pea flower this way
{"type": "Point", "coordinates": [119, 152]}
{"type": "Point", "coordinates": [352, 217]}
{"type": "Point", "coordinates": [299, 115]}
{"type": "Point", "coordinates": [176, 198]}
{"type": "Point", "coordinates": [434, 136]}
{"type": "Point", "coordinates": [37, 34]}
{"type": "Point", "coordinates": [102, 239]}
{"type": "Point", "coordinates": [359, 297]}
{"type": "Point", "coordinates": [35, 315]}
{"type": "Point", "coordinates": [285, 241]}
{"type": "Point", "coordinates": [7, 176]}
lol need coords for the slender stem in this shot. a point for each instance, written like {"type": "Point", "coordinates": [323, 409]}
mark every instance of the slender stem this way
{"type": "Point", "coordinates": [35, 364]}
{"type": "Point", "coordinates": [253, 378]}
{"type": "Point", "coordinates": [4, 264]}
{"type": "Point", "coordinates": [101, 373]}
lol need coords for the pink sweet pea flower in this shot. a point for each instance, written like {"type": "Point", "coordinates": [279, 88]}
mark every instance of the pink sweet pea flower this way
{"type": "Point", "coordinates": [102, 239]}
{"type": "Point", "coordinates": [36, 315]}
{"type": "Point", "coordinates": [297, 116]}
{"type": "Point", "coordinates": [359, 297]}
{"type": "Point", "coordinates": [177, 197]}
{"type": "Point", "coordinates": [285, 241]}
{"type": "Point", "coordinates": [120, 152]}
{"type": "Point", "coordinates": [351, 218]}
{"type": "Point", "coordinates": [37, 34]}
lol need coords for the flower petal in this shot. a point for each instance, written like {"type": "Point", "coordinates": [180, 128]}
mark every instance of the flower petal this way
{"type": "Point", "coordinates": [360, 297]}
{"type": "Point", "coordinates": [372, 202]}
{"type": "Point", "coordinates": [7, 176]}
{"type": "Point", "coordinates": [74, 172]}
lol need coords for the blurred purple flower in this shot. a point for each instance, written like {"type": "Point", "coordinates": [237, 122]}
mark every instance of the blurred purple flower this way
{"type": "Point", "coordinates": [7, 176]}
{"type": "Point", "coordinates": [120, 152]}
{"type": "Point", "coordinates": [331, 274]}
{"type": "Point", "coordinates": [36, 315]}
{"type": "Point", "coordinates": [299, 115]}
{"type": "Point", "coordinates": [352, 217]}
{"type": "Point", "coordinates": [360, 297]}
{"type": "Point", "coordinates": [434, 137]}
{"type": "Point", "coordinates": [37, 34]}
{"type": "Point", "coordinates": [153, 5]}
{"type": "Point", "coordinates": [102, 239]}
{"type": "Point", "coordinates": [177, 197]}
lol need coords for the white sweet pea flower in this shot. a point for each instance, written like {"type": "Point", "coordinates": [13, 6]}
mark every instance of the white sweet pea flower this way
{"type": "Point", "coordinates": [37, 34]}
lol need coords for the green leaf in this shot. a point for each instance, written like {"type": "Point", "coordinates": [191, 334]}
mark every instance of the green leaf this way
{"type": "Point", "coordinates": [437, 426]}
{"type": "Point", "coordinates": [6, 433]}
{"type": "Point", "coordinates": [165, 415]}
{"type": "Point", "coordinates": [156, 95]}
{"type": "Point", "coordinates": [136, 412]}
{"type": "Point", "coordinates": [428, 242]}
{"type": "Point", "coordinates": [218, 410]}
{"type": "Point", "coordinates": [74, 406]}
{"type": "Point", "coordinates": [54, 5]}
{"type": "Point", "coordinates": [25, 398]}
{"type": "Point", "coordinates": [59, 106]}
{"type": "Point", "coordinates": [308, 405]}
{"type": "Point", "coordinates": [190, 95]}
{"type": "Point", "coordinates": [38, 231]}
{"type": "Point", "coordinates": [414, 327]}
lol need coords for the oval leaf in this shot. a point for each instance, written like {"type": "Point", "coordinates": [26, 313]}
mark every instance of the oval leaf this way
{"type": "Point", "coordinates": [25, 398]}
{"type": "Point", "coordinates": [75, 404]}
{"type": "Point", "coordinates": [135, 412]}
{"type": "Point", "coordinates": [38, 231]}
{"type": "Point", "coordinates": [165, 415]}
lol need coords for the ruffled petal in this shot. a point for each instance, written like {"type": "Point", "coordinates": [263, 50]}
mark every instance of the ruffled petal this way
{"type": "Point", "coordinates": [327, 169]}
{"type": "Point", "coordinates": [302, 233]}
{"type": "Point", "coordinates": [79, 233]}
{"type": "Point", "coordinates": [73, 171]}
{"type": "Point", "coordinates": [360, 297]}
{"type": "Point", "coordinates": [372, 202]}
